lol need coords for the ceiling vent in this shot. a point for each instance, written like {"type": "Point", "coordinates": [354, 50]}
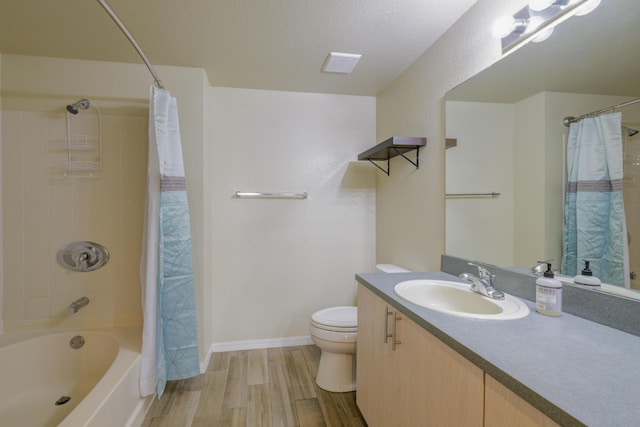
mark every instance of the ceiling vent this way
{"type": "Point", "coordinates": [340, 62]}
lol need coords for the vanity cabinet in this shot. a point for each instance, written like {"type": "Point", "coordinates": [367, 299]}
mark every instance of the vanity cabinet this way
{"type": "Point", "coordinates": [420, 382]}
{"type": "Point", "coordinates": [504, 408]}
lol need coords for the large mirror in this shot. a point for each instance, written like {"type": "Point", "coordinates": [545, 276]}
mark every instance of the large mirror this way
{"type": "Point", "coordinates": [505, 179]}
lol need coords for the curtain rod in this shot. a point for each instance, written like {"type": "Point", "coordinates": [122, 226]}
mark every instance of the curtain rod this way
{"type": "Point", "coordinates": [570, 119]}
{"type": "Point", "coordinates": [135, 44]}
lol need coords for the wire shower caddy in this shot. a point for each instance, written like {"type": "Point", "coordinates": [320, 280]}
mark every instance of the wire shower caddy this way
{"type": "Point", "coordinates": [84, 148]}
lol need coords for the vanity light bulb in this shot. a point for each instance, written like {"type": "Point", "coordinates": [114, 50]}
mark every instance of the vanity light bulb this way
{"type": "Point", "coordinates": [534, 23]}
{"type": "Point", "coordinates": [503, 26]}
{"type": "Point", "coordinates": [543, 35]}
{"type": "Point", "coordinates": [588, 7]}
{"type": "Point", "coordinates": [506, 25]}
{"type": "Point", "coordinates": [539, 5]}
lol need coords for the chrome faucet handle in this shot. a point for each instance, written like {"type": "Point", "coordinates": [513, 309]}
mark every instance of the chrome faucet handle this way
{"type": "Point", "coordinates": [483, 273]}
{"type": "Point", "coordinates": [484, 283]}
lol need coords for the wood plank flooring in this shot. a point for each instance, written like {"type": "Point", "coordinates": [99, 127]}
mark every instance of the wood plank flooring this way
{"type": "Point", "coordinates": [255, 388]}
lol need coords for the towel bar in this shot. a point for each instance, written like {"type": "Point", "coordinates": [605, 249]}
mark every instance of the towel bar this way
{"type": "Point", "coordinates": [258, 195]}
{"type": "Point", "coordinates": [455, 195]}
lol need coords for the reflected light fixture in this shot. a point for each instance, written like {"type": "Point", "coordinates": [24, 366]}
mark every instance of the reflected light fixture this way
{"type": "Point", "coordinates": [536, 21]}
{"type": "Point", "coordinates": [587, 7]}
{"type": "Point", "coordinates": [506, 25]}
{"type": "Point", "coordinates": [540, 5]}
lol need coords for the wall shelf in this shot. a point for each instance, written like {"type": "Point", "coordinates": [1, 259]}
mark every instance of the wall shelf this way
{"type": "Point", "coordinates": [392, 147]}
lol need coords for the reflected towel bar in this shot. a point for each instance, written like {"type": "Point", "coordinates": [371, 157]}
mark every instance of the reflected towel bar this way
{"type": "Point", "coordinates": [469, 195]}
{"type": "Point", "coordinates": [257, 195]}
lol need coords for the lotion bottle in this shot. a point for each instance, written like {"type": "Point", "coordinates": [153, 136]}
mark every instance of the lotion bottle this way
{"type": "Point", "coordinates": [548, 294]}
{"type": "Point", "coordinates": [587, 279]}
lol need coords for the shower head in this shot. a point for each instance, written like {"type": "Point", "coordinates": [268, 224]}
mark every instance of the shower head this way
{"type": "Point", "coordinates": [83, 104]}
{"type": "Point", "coordinates": [630, 132]}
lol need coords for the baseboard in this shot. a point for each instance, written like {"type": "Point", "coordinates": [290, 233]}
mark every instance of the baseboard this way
{"type": "Point", "coordinates": [254, 344]}
{"type": "Point", "coordinates": [137, 417]}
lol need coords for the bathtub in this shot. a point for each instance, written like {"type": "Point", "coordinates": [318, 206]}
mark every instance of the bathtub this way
{"type": "Point", "coordinates": [45, 382]}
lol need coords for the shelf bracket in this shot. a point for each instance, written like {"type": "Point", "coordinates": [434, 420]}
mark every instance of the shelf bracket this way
{"type": "Point", "coordinates": [380, 167]}
{"type": "Point", "coordinates": [392, 147]}
{"type": "Point", "coordinates": [417, 162]}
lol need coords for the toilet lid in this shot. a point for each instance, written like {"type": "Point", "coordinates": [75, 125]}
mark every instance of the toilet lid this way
{"type": "Point", "coordinates": [337, 317]}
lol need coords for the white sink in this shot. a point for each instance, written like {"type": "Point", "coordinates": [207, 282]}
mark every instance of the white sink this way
{"type": "Point", "coordinates": [458, 299]}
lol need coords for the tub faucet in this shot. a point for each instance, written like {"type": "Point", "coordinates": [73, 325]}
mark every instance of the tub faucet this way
{"type": "Point", "coordinates": [78, 304]}
{"type": "Point", "coordinates": [483, 282]}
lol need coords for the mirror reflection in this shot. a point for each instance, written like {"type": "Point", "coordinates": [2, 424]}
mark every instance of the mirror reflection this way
{"type": "Point", "coordinates": [506, 179]}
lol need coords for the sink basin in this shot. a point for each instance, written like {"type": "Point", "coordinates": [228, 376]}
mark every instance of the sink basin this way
{"type": "Point", "coordinates": [458, 299]}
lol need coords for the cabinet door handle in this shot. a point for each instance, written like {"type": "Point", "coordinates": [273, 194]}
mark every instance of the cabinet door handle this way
{"type": "Point", "coordinates": [394, 341]}
{"type": "Point", "coordinates": [387, 313]}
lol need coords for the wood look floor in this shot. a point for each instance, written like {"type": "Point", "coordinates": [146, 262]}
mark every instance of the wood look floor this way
{"type": "Point", "coordinates": [253, 388]}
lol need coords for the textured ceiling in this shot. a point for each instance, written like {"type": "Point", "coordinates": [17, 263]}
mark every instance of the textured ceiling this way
{"type": "Point", "coordinates": [263, 44]}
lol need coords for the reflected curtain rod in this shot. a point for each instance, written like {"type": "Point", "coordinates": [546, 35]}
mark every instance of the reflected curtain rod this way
{"type": "Point", "coordinates": [135, 44]}
{"type": "Point", "coordinates": [568, 120]}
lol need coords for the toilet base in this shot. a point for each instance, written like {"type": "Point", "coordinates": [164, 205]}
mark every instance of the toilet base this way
{"type": "Point", "coordinates": [337, 372]}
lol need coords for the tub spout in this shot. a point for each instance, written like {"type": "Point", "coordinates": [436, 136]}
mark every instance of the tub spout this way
{"type": "Point", "coordinates": [78, 304]}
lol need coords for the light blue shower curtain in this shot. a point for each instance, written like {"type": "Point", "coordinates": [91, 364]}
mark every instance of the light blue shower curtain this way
{"type": "Point", "coordinates": [169, 343]}
{"type": "Point", "coordinates": [595, 228]}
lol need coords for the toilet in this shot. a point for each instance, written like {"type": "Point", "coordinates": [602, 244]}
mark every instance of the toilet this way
{"type": "Point", "coordinates": [334, 330]}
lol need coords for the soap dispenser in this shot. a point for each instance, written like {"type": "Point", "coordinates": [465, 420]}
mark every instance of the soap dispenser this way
{"type": "Point", "coordinates": [548, 294]}
{"type": "Point", "coordinates": [587, 279]}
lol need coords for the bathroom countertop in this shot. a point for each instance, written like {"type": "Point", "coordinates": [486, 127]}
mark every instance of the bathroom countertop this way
{"type": "Point", "coordinates": [575, 371]}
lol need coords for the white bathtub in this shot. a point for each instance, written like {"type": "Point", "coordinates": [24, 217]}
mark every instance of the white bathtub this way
{"type": "Point", "coordinates": [101, 378]}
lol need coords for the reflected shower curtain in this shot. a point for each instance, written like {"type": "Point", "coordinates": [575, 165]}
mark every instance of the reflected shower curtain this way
{"type": "Point", "coordinates": [595, 228]}
{"type": "Point", "coordinates": [169, 336]}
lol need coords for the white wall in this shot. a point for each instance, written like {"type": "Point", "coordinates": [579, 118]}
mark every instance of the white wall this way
{"type": "Point", "coordinates": [480, 228]}
{"type": "Point", "coordinates": [274, 262]}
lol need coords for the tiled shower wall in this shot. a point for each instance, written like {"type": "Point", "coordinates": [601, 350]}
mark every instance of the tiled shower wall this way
{"type": "Point", "coordinates": [43, 210]}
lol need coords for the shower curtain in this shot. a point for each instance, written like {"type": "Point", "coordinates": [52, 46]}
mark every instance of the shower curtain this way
{"type": "Point", "coordinates": [595, 227]}
{"type": "Point", "coordinates": [169, 341]}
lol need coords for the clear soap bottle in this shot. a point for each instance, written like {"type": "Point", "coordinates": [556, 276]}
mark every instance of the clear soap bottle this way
{"type": "Point", "coordinates": [548, 294]}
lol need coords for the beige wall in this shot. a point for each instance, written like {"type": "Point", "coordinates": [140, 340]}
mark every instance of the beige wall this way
{"type": "Point", "coordinates": [410, 203]}
{"type": "Point", "coordinates": [274, 262]}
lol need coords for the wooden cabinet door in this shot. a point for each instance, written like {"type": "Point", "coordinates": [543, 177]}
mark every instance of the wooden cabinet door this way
{"type": "Point", "coordinates": [439, 387]}
{"type": "Point", "coordinates": [370, 356]}
{"type": "Point", "coordinates": [422, 383]}
{"type": "Point", "coordinates": [503, 408]}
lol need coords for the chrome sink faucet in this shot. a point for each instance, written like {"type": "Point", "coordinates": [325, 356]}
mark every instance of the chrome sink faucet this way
{"type": "Point", "coordinates": [483, 282]}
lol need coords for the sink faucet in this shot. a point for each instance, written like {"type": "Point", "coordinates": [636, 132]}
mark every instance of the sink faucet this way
{"type": "Point", "coordinates": [540, 267]}
{"type": "Point", "coordinates": [483, 282]}
{"type": "Point", "coordinates": [78, 304]}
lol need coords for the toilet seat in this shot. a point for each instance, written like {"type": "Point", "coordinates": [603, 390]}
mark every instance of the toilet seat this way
{"type": "Point", "coordinates": [337, 319]}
